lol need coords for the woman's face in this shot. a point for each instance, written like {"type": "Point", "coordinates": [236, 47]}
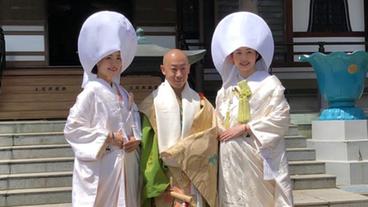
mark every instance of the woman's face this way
{"type": "Point", "coordinates": [244, 59]}
{"type": "Point", "coordinates": [109, 66]}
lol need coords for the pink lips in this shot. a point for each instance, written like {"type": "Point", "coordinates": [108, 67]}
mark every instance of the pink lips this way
{"type": "Point", "coordinates": [244, 64]}
{"type": "Point", "coordinates": [113, 70]}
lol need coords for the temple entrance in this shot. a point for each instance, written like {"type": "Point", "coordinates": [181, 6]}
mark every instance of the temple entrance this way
{"type": "Point", "coordinates": [65, 18]}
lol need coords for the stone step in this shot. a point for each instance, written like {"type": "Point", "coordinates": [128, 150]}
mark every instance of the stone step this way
{"type": "Point", "coordinates": [314, 181]}
{"type": "Point", "coordinates": [10, 127]}
{"type": "Point", "coordinates": [35, 196]}
{"type": "Point", "coordinates": [295, 141]}
{"type": "Point", "coordinates": [293, 130]}
{"type": "Point", "coordinates": [36, 165]}
{"type": "Point", "coordinates": [32, 138]}
{"type": "Point", "coordinates": [360, 189]}
{"type": "Point", "coordinates": [36, 151]}
{"type": "Point", "coordinates": [330, 197]}
{"type": "Point", "coordinates": [300, 154]}
{"type": "Point", "coordinates": [50, 205]}
{"type": "Point", "coordinates": [36, 180]}
{"type": "Point", "coordinates": [306, 167]}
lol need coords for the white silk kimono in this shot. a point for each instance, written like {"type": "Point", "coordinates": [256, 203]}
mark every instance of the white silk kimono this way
{"type": "Point", "coordinates": [253, 169]}
{"type": "Point", "coordinates": [104, 176]}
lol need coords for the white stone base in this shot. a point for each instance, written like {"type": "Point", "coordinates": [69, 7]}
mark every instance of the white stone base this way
{"type": "Point", "coordinates": [343, 146]}
{"type": "Point", "coordinates": [340, 150]}
{"type": "Point", "coordinates": [340, 130]}
{"type": "Point", "coordinates": [351, 173]}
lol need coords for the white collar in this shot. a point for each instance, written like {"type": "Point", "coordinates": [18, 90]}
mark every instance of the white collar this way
{"type": "Point", "coordinates": [170, 128]}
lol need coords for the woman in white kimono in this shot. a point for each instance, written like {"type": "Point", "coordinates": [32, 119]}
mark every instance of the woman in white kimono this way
{"type": "Point", "coordinates": [253, 116]}
{"type": "Point", "coordinates": [103, 126]}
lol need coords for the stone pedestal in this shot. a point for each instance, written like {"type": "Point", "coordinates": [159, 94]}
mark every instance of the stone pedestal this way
{"type": "Point", "coordinates": [343, 145]}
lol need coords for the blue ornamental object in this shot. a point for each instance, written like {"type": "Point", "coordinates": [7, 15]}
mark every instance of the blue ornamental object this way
{"type": "Point", "coordinates": [340, 79]}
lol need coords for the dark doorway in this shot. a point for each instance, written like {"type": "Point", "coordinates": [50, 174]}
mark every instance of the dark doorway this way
{"type": "Point", "coordinates": [2, 53]}
{"type": "Point", "coordinates": [188, 20]}
{"type": "Point", "coordinates": [195, 26]}
{"type": "Point", "coordinates": [65, 18]}
{"type": "Point", "coordinates": [329, 16]}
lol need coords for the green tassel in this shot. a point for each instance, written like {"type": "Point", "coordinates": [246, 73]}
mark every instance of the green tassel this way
{"type": "Point", "coordinates": [244, 109]}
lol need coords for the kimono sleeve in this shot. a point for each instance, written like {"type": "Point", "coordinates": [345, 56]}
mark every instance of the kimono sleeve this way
{"type": "Point", "coordinates": [137, 130]}
{"type": "Point", "coordinates": [86, 139]}
{"type": "Point", "coordinates": [274, 123]}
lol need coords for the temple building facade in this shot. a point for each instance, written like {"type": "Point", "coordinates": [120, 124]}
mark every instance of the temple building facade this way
{"type": "Point", "coordinates": [42, 74]}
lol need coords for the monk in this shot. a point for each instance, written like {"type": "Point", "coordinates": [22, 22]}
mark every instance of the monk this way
{"type": "Point", "coordinates": [179, 141]}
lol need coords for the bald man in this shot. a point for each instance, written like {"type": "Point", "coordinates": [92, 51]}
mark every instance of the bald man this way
{"type": "Point", "coordinates": [179, 141]}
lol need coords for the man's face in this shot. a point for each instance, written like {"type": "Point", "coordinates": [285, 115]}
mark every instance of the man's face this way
{"type": "Point", "coordinates": [176, 70]}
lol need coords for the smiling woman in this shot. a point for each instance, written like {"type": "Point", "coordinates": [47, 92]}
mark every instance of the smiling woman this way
{"type": "Point", "coordinates": [245, 59]}
{"type": "Point", "coordinates": [103, 126]}
{"type": "Point", "coordinates": [253, 115]}
{"type": "Point", "coordinates": [109, 67]}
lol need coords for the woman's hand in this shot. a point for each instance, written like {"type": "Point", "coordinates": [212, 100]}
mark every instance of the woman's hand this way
{"type": "Point", "coordinates": [233, 132]}
{"type": "Point", "coordinates": [131, 145]}
{"type": "Point", "coordinates": [116, 138]}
